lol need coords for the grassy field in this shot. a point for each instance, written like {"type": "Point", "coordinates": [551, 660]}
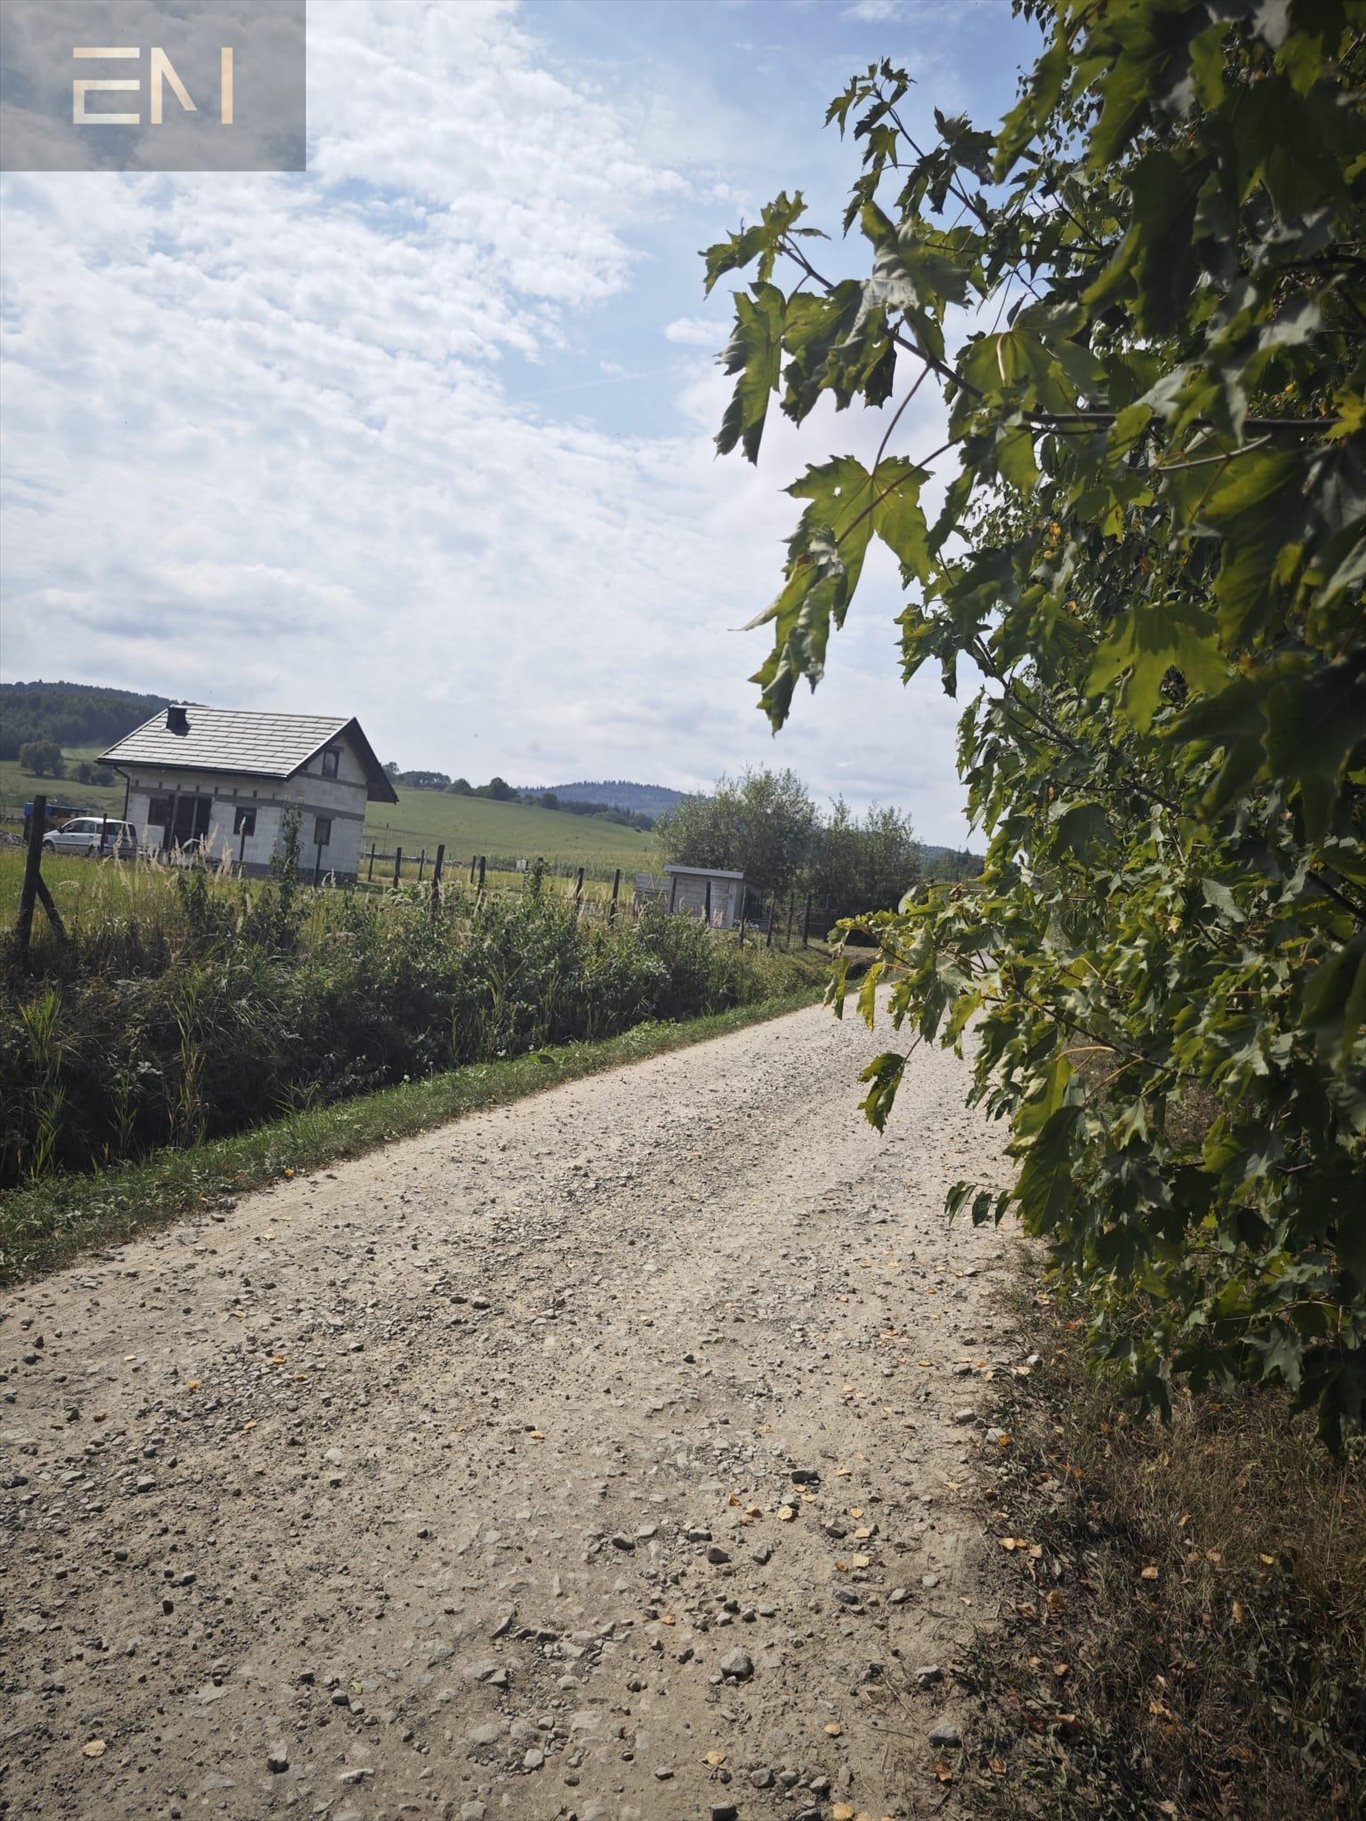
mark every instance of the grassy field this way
{"type": "Point", "coordinates": [17, 788]}
{"type": "Point", "coordinates": [421, 819]}
{"type": "Point", "coordinates": [475, 825]}
{"type": "Point", "coordinates": [84, 889]}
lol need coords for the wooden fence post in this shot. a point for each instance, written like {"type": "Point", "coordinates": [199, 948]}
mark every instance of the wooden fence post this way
{"type": "Point", "coordinates": [616, 893]}
{"type": "Point", "coordinates": [483, 864]}
{"type": "Point", "coordinates": [474, 862]}
{"type": "Point", "coordinates": [33, 861]}
{"type": "Point", "coordinates": [421, 865]}
{"type": "Point", "coordinates": [707, 904]}
{"type": "Point", "coordinates": [673, 892]}
{"type": "Point", "coordinates": [398, 867]}
{"type": "Point", "coordinates": [33, 888]}
{"type": "Point", "coordinates": [370, 875]}
{"type": "Point", "coordinates": [578, 893]}
{"type": "Point", "coordinates": [436, 880]}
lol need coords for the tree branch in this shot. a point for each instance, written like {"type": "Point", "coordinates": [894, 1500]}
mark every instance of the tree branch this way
{"type": "Point", "coordinates": [1046, 420]}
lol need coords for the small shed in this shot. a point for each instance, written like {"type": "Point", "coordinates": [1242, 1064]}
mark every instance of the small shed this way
{"type": "Point", "coordinates": [698, 889]}
{"type": "Point", "coordinates": [225, 779]}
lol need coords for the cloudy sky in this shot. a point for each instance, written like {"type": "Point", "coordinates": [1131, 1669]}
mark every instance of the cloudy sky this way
{"type": "Point", "coordinates": [425, 434]}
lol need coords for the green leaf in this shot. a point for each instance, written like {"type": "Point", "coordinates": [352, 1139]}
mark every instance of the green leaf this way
{"type": "Point", "coordinates": [825, 561]}
{"type": "Point", "coordinates": [885, 1073]}
{"type": "Point", "coordinates": [1015, 457]}
{"type": "Point", "coordinates": [755, 353]}
{"type": "Point", "coordinates": [1044, 1191]}
{"type": "Point", "coordinates": [733, 254]}
{"type": "Point", "coordinates": [761, 242]}
{"type": "Point", "coordinates": [1335, 1001]}
{"type": "Point", "coordinates": [1048, 1097]}
{"type": "Point", "coordinates": [1222, 899]}
{"type": "Point", "coordinates": [1314, 724]}
{"type": "Point", "coordinates": [1150, 640]}
{"type": "Point", "coordinates": [899, 519]}
{"type": "Point", "coordinates": [1081, 830]}
{"type": "Point", "coordinates": [1216, 494]}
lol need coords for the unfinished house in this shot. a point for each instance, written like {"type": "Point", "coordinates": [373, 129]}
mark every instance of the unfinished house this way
{"type": "Point", "coordinates": [221, 781]}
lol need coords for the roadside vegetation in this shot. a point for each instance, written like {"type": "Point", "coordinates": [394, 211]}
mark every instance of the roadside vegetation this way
{"type": "Point", "coordinates": [1151, 553]}
{"type": "Point", "coordinates": [1183, 1608]}
{"type": "Point", "coordinates": [47, 1221]}
{"type": "Point", "coordinates": [185, 1006]}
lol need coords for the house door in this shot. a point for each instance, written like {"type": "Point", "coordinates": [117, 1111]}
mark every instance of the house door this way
{"type": "Point", "coordinates": [191, 818]}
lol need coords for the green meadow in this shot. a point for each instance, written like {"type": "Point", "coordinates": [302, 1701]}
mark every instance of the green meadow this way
{"type": "Point", "coordinates": [477, 825]}
{"type": "Point", "coordinates": [17, 788]}
{"type": "Point", "coordinates": [421, 819]}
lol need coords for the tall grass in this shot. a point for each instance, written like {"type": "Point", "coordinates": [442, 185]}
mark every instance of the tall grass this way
{"type": "Point", "coordinates": [187, 1006]}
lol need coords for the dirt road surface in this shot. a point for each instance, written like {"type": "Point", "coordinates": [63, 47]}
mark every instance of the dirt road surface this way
{"type": "Point", "coordinates": [597, 1456]}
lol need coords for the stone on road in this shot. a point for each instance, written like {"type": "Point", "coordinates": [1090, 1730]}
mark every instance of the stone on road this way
{"type": "Point", "coordinates": [595, 1455]}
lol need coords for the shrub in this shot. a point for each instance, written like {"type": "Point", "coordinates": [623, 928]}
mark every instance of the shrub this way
{"type": "Point", "coordinates": [187, 1005]}
{"type": "Point", "coordinates": [41, 759]}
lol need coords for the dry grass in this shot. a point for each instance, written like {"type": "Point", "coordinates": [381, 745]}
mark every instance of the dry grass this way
{"type": "Point", "coordinates": [1190, 1639]}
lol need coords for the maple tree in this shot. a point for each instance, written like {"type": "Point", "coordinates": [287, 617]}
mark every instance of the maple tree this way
{"type": "Point", "coordinates": [1150, 563]}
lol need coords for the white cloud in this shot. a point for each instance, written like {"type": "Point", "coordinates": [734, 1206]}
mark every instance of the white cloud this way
{"type": "Point", "coordinates": [697, 332]}
{"type": "Point", "coordinates": [875, 12]}
{"type": "Point", "coordinates": [261, 448]}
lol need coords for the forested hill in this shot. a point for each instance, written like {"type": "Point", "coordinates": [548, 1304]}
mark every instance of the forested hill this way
{"type": "Point", "coordinates": [72, 714]}
{"type": "Point", "coordinates": [617, 793]}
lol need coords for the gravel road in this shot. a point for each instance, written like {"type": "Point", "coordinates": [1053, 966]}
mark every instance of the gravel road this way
{"type": "Point", "coordinates": [597, 1456]}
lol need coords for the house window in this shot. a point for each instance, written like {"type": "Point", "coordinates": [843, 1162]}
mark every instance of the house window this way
{"type": "Point", "coordinates": [322, 831]}
{"type": "Point", "coordinates": [159, 811]}
{"type": "Point", "coordinates": [331, 760]}
{"type": "Point", "coordinates": [244, 821]}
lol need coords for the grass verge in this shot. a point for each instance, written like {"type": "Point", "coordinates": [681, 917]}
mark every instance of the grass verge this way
{"type": "Point", "coordinates": [44, 1224]}
{"type": "Point", "coordinates": [1183, 1609]}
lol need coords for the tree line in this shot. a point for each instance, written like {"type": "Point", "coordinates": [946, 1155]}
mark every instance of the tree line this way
{"type": "Point", "coordinates": [68, 714]}
{"type": "Point", "coordinates": [766, 825]}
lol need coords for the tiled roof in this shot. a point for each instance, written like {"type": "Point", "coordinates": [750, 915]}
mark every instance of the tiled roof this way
{"type": "Point", "coordinates": [245, 742]}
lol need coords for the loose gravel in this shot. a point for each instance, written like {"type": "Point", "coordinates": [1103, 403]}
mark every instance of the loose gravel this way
{"type": "Point", "coordinates": [604, 1456]}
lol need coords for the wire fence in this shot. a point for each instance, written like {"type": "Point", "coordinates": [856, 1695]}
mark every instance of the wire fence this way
{"type": "Point", "coordinates": [769, 919]}
{"type": "Point", "coordinates": [603, 893]}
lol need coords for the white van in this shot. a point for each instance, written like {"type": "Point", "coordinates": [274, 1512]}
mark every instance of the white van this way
{"type": "Point", "coordinates": [92, 835]}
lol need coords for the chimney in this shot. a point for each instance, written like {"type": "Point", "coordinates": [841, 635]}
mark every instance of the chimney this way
{"type": "Point", "coordinates": [177, 721]}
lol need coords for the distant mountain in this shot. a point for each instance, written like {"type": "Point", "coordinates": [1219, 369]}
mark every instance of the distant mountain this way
{"type": "Point", "coordinates": [72, 714]}
{"type": "Point", "coordinates": [640, 799]}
